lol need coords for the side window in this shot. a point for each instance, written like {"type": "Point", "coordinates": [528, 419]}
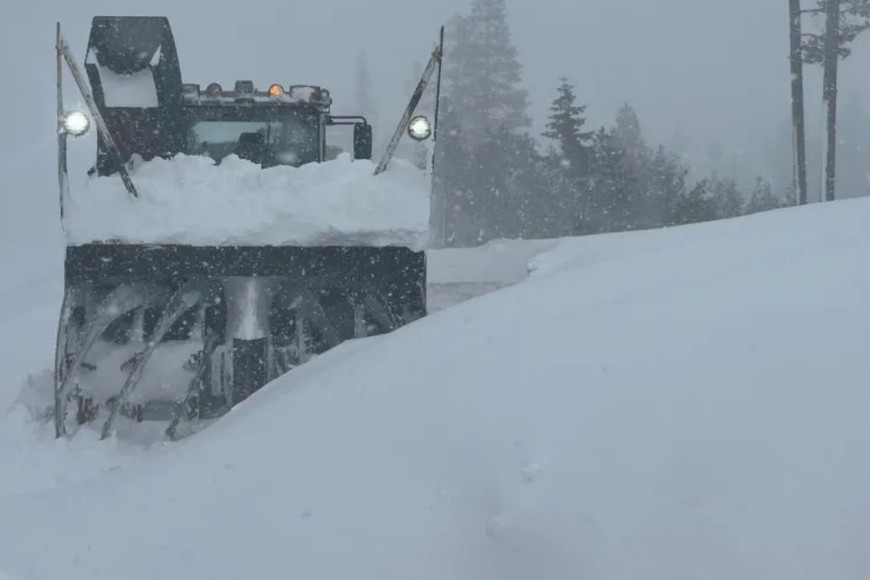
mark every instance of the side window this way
{"type": "Point", "coordinates": [295, 141]}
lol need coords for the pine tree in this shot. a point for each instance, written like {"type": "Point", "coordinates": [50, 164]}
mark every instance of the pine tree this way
{"type": "Point", "coordinates": [763, 198]}
{"type": "Point", "coordinates": [696, 205]}
{"type": "Point", "coordinates": [854, 19]}
{"type": "Point", "coordinates": [627, 132]}
{"type": "Point", "coordinates": [565, 129]}
{"type": "Point", "coordinates": [560, 208]}
{"type": "Point", "coordinates": [564, 173]}
{"type": "Point", "coordinates": [624, 175]}
{"type": "Point", "coordinates": [725, 197]}
{"type": "Point", "coordinates": [634, 186]}
{"type": "Point", "coordinates": [667, 186]}
{"type": "Point", "coordinates": [610, 192]}
{"type": "Point", "coordinates": [485, 73]}
{"type": "Point", "coordinates": [712, 198]}
{"type": "Point", "coordinates": [483, 112]}
{"type": "Point", "coordinates": [844, 21]}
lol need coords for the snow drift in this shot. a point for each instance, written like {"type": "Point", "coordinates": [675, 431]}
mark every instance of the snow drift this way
{"type": "Point", "coordinates": [190, 200]}
{"type": "Point", "coordinates": [458, 274]}
{"type": "Point", "coordinates": [679, 404]}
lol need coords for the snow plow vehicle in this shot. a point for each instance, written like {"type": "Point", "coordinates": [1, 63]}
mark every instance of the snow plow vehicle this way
{"type": "Point", "coordinates": [177, 324]}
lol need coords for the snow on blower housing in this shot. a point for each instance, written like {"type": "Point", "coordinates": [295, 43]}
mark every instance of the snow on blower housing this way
{"type": "Point", "coordinates": [243, 243]}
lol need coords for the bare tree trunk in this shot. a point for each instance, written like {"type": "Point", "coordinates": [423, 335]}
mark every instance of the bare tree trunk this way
{"type": "Point", "coordinates": [832, 45]}
{"type": "Point", "coordinates": [797, 103]}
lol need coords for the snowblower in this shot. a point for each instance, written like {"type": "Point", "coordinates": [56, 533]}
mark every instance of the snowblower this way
{"type": "Point", "coordinates": [177, 331]}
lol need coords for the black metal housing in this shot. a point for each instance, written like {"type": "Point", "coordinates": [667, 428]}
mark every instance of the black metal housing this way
{"type": "Point", "coordinates": [395, 266]}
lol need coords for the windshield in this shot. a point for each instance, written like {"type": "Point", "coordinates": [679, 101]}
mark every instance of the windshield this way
{"type": "Point", "coordinates": [288, 140]}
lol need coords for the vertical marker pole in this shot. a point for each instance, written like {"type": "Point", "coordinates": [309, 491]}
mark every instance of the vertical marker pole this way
{"type": "Point", "coordinates": [438, 91]}
{"type": "Point", "coordinates": [62, 185]}
{"type": "Point", "coordinates": [62, 178]}
{"type": "Point", "coordinates": [797, 103]}
{"type": "Point", "coordinates": [442, 226]}
{"type": "Point", "coordinates": [832, 57]}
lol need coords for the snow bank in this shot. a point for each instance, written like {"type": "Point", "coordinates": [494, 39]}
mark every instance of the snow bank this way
{"type": "Point", "coordinates": [28, 329]}
{"type": "Point", "coordinates": [190, 200]}
{"type": "Point", "coordinates": [671, 405]}
{"type": "Point", "coordinates": [34, 461]}
{"type": "Point", "coordinates": [455, 275]}
{"type": "Point", "coordinates": [498, 262]}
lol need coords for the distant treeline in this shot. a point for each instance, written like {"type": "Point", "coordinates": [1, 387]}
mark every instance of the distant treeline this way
{"type": "Point", "coordinates": [495, 180]}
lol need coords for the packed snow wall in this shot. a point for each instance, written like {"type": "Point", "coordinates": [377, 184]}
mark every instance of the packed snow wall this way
{"type": "Point", "coordinates": [190, 200]}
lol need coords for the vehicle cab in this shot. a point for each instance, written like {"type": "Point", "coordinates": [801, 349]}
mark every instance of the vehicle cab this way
{"type": "Point", "coordinates": [278, 126]}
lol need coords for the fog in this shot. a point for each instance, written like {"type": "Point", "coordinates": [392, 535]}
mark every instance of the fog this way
{"type": "Point", "coordinates": [703, 74]}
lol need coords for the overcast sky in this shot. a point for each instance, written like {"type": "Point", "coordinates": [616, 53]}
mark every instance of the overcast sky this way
{"type": "Point", "coordinates": [707, 70]}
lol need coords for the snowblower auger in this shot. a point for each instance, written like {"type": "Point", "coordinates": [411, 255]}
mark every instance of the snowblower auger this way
{"type": "Point", "coordinates": [180, 331]}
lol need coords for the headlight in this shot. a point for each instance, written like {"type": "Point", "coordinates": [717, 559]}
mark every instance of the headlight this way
{"type": "Point", "coordinates": [76, 123]}
{"type": "Point", "coordinates": [420, 128]}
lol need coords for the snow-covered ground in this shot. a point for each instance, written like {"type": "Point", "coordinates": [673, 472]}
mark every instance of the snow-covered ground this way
{"type": "Point", "coordinates": [678, 404]}
{"type": "Point", "coordinates": [190, 200]}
